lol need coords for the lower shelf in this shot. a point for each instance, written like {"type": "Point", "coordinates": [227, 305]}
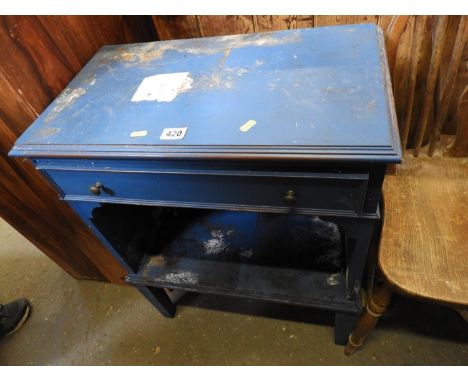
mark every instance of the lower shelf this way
{"type": "Point", "coordinates": [293, 286]}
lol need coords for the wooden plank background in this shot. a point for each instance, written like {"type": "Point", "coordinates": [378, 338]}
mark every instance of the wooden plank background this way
{"type": "Point", "coordinates": [40, 55]}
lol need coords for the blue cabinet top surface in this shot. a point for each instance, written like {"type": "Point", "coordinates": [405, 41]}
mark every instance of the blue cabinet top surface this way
{"type": "Point", "coordinates": [320, 93]}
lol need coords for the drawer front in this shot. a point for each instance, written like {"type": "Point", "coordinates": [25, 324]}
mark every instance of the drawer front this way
{"type": "Point", "coordinates": [244, 190]}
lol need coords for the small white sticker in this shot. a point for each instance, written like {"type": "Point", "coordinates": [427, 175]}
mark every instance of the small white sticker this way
{"type": "Point", "coordinates": [248, 125]}
{"type": "Point", "coordinates": [162, 87]}
{"type": "Point", "coordinates": [136, 134]}
{"type": "Point", "coordinates": [173, 133]}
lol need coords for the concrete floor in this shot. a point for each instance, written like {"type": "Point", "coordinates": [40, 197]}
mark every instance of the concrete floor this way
{"type": "Point", "coordinates": [91, 323]}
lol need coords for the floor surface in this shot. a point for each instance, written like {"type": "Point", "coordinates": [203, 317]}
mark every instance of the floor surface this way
{"type": "Point", "coordinates": [91, 323]}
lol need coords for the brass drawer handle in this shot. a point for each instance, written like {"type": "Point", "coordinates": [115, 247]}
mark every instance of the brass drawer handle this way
{"type": "Point", "coordinates": [96, 189]}
{"type": "Point", "coordinates": [290, 196]}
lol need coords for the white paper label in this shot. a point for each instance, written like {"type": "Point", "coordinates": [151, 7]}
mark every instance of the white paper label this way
{"type": "Point", "coordinates": [173, 133]}
{"type": "Point", "coordinates": [162, 87]}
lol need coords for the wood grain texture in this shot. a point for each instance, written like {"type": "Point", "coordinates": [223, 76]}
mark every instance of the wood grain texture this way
{"type": "Point", "coordinates": [225, 25]}
{"type": "Point", "coordinates": [341, 20]}
{"type": "Point", "coordinates": [450, 123]}
{"type": "Point", "coordinates": [422, 76]}
{"type": "Point", "coordinates": [377, 302]}
{"type": "Point", "coordinates": [424, 247]}
{"type": "Point", "coordinates": [39, 56]}
{"type": "Point", "coordinates": [393, 30]}
{"type": "Point", "coordinates": [449, 83]}
{"type": "Point", "coordinates": [305, 21]}
{"type": "Point", "coordinates": [413, 61]}
{"type": "Point", "coordinates": [273, 23]}
{"type": "Point", "coordinates": [459, 147]}
{"type": "Point", "coordinates": [177, 27]}
{"type": "Point", "coordinates": [401, 81]}
{"type": "Point", "coordinates": [436, 59]}
{"type": "Point", "coordinates": [385, 21]}
{"type": "Point", "coordinates": [401, 71]}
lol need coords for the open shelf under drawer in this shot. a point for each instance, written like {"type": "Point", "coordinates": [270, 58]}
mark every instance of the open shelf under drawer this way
{"type": "Point", "coordinates": [285, 258]}
{"type": "Point", "coordinates": [310, 288]}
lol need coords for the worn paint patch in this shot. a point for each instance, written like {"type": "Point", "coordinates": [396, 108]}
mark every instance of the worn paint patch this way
{"type": "Point", "coordinates": [216, 244]}
{"type": "Point", "coordinates": [185, 277]}
{"type": "Point", "coordinates": [65, 99]}
{"type": "Point", "coordinates": [247, 253]}
{"type": "Point", "coordinates": [239, 71]}
{"type": "Point", "coordinates": [226, 54]}
{"type": "Point", "coordinates": [147, 52]}
{"type": "Point", "coordinates": [163, 87]}
{"type": "Point", "coordinates": [248, 125]}
{"type": "Point", "coordinates": [157, 261]}
{"type": "Point", "coordinates": [333, 279]}
{"type": "Point", "coordinates": [141, 133]}
{"type": "Point", "coordinates": [48, 131]}
{"type": "Point", "coordinates": [213, 81]}
{"type": "Point", "coordinates": [341, 90]}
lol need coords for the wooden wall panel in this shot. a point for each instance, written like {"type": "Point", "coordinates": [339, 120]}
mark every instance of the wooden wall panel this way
{"type": "Point", "coordinates": [39, 56]}
{"type": "Point", "coordinates": [410, 73]}
{"type": "Point", "coordinates": [340, 20]}
{"type": "Point", "coordinates": [305, 21]}
{"type": "Point", "coordinates": [273, 23]}
{"type": "Point", "coordinates": [177, 27]}
{"type": "Point", "coordinates": [225, 25]}
{"type": "Point", "coordinates": [462, 77]}
{"type": "Point", "coordinates": [384, 21]}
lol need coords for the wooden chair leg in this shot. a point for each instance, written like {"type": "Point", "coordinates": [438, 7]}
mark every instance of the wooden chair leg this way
{"type": "Point", "coordinates": [376, 305]}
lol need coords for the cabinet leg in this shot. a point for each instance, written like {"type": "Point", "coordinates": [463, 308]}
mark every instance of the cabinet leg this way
{"type": "Point", "coordinates": [376, 305]}
{"type": "Point", "coordinates": [344, 324]}
{"type": "Point", "coordinates": [160, 300]}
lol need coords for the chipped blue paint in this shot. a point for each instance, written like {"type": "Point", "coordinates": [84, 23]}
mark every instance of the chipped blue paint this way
{"type": "Point", "coordinates": [306, 89]}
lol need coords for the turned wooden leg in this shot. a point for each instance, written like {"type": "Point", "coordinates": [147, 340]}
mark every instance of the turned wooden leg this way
{"type": "Point", "coordinates": [376, 305]}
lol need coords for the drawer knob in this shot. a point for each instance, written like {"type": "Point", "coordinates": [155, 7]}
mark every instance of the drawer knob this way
{"type": "Point", "coordinates": [290, 196]}
{"type": "Point", "coordinates": [96, 189]}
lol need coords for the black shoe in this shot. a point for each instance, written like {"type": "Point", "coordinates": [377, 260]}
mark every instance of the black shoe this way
{"type": "Point", "coordinates": [13, 316]}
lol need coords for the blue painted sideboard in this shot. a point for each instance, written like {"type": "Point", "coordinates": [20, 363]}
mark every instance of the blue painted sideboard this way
{"type": "Point", "coordinates": [246, 165]}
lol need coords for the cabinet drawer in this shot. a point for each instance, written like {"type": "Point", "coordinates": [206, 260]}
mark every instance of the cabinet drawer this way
{"type": "Point", "coordinates": [241, 190]}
